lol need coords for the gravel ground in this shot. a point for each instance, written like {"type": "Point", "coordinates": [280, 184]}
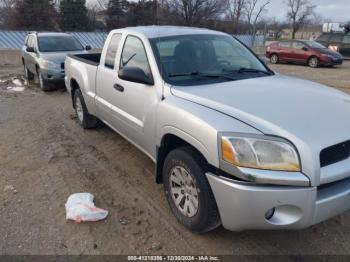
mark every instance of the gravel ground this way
{"type": "Point", "coordinates": [45, 156]}
{"type": "Point", "coordinates": [338, 76]}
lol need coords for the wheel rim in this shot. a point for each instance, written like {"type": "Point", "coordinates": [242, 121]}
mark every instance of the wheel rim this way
{"type": "Point", "coordinates": [274, 59]}
{"type": "Point", "coordinates": [184, 191]}
{"type": "Point", "coordinates": [313, 62]}
{"type": "Point", "coordinates": [79, 109]}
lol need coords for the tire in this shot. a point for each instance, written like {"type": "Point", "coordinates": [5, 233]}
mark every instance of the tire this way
{"type": "Point", "coordinates": [86, 120]}
{"type": "Point", "coordinates": [313, 62]}
{"type": "Point", "coordinates": [42, 83]}
{"type": "Point", "coordinates": [274, 59]}
{"type": "Point", "coordinates": [185, 165]}
{"type": "Point", "coordinates": [28, 75]}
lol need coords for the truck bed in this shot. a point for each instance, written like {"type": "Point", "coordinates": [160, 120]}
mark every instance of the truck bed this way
{"type": "Point", "coordinates": [91, 58]}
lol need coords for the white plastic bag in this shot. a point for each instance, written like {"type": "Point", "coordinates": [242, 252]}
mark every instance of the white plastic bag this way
{"type": "Point", "coordinates": [80, 207]}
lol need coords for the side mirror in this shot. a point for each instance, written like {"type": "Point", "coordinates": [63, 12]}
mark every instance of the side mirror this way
{"type": "Point", "coordinates": [305, 48]}
{"type": "Point", "coordinates": [87, 48]}
{"type": "Point", "coordinates": [135, 74]}
{"type": "Point", "coordinates": [30, 49]}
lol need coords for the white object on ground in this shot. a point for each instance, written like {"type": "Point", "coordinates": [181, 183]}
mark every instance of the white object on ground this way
{"type": "Point", "coordinates": [80, 207]}
{"type": "Point", "coordinates": [15, 88]}
{"type": "Point", "coordinates": [17, 82]}
{"type": "Point", "coordinates": [18, 86]}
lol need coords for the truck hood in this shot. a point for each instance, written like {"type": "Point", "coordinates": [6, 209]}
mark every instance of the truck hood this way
{"type": "Point", "coordinates": [310, 115]}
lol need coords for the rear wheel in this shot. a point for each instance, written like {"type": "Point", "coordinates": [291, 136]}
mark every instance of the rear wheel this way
{"type": "Point", "coordinates": [84, 118]}
{"type": "Point", "coordinates": [274, 59]}
{"type": "Point", "coordinates": [313, 62]}
{"type": "Point", "coordinates": [188, 191]}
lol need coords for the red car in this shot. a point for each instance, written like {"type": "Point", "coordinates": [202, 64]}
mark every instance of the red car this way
{"type": "Point", "coordinates": [303, 52]}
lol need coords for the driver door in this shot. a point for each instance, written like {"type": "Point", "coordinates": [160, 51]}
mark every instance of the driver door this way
{"type": "Point", "coordinates": [133, 104]}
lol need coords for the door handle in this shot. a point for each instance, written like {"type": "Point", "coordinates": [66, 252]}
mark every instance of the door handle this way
{"type": "Point", "coordinates": [118, 88]}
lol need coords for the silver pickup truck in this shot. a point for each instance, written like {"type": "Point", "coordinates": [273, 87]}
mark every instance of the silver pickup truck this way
{"type": "Point", "coordinates": [234, 143]}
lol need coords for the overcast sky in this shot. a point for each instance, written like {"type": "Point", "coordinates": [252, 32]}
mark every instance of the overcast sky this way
{"type": "Point", "coordinates": [336, 10]}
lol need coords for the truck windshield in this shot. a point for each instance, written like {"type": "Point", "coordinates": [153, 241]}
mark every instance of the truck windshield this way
{"type": "Point", "coordinates": [58, 44]}
{"type": "Point", "coordinates": [203, 59]}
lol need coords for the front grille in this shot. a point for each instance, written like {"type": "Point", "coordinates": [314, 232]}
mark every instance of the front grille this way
{"type": "Point", "coordinates": [334, 154]}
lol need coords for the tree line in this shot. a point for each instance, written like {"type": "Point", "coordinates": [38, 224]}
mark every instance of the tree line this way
{"type": "Point", "coordinates": [233, 16]}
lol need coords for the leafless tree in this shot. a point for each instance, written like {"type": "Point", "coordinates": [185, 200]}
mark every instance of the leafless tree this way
{"type": "Point", "coordinates": [254, 14]}
{"type": "Point", "coordinates": [276, 27]}
{"type": "Point", "coordinates": [6, 11]}
{"type": "Point", "coordinates": [298, 13]}
{"type": "Point", "coordinates": [195, 12]}
{"type": "Point", "coordinates": [235, 13]}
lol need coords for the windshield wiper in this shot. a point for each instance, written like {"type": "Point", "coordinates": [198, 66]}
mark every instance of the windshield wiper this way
{"type": "Point", "coordinates": [127, 61]}
{"type": "Point", "coordinates": [200, 74]}
{"type": "Point", "coordinates": [251, 70]}
{"type": "Point", "coordinates": [247, 70]}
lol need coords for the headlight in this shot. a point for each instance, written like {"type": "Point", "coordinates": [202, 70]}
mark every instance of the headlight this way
{"type": "Point", "coordinates": [259, 153]}
{"type": "Point", "coordinates": [50, 65]}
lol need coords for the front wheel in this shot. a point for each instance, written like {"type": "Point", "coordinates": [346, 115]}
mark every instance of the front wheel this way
{"type": "Point", "coordinates": [313, 62]}
{"type": "Point", "coordinates": [84, 118]}
{"type": "Point", "coordinates": [274, 59]}
{"type": "Point", "coordinates": [188, 191]}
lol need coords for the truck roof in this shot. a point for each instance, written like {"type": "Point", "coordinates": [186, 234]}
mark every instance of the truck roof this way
{"type": "Point", "coordinates": [163, 31]}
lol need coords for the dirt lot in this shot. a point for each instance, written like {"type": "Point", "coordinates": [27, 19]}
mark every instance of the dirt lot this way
{"type": "Point", "coordinates": [45, 156]}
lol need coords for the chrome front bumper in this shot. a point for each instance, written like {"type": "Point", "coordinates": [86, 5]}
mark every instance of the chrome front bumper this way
{"type": "Point", "coordinates": [243, 206]}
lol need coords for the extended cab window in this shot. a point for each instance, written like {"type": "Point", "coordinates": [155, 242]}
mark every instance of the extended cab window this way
{"type": "Point", "coordinates": [112, 50]}
{"type": "Point", "coordinates": [134, 55]}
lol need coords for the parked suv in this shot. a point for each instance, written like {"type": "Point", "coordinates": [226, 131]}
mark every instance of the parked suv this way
{"type": "Point", "coordinates": [303, 52]}
{"type": "Point", "coordinates": [337, 41]}
{"type": "Point", "coordinates": [43, 56]}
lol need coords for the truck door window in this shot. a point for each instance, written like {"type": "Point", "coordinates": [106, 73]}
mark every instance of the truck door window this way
{"type": "Point", "coordinates": [112, 51]}
{"type": "Point", "coordinates": [134, 55]}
